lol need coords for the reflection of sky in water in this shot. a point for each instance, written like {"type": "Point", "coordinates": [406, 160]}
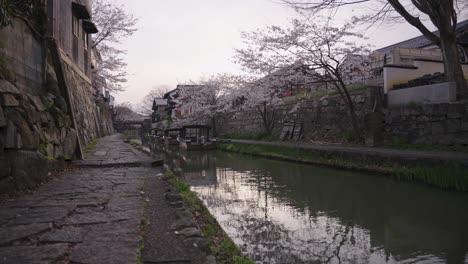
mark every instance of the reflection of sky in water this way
{"type": "Point", "coordinates": [272, 230]}
{"type": "Point", "coordinates": [281, 212]}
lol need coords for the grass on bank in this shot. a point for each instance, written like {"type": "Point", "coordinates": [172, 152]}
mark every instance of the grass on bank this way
{"type": "Point", "coordinates": [447, 177]}
{"type": "Point", "coordinates": [250, 136]}
{"type": "Point", "coordinates": [221, 246]}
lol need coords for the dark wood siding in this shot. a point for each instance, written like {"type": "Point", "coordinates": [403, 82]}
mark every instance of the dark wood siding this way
{"type": "Point", "coordinates": [62, 28]}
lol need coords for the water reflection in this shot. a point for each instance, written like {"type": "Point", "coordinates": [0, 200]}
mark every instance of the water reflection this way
{"type": "Point", "coordinates": [281, 212]}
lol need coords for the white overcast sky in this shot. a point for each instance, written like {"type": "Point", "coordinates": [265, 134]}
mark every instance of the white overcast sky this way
{"type": "Point", "coordinates": [182, 40]}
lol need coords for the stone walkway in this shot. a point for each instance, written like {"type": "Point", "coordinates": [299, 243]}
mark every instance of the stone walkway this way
{"type": "Point", "coordinates": [399, 155]}
{"type": "Point", "coordinates": [90, 215]}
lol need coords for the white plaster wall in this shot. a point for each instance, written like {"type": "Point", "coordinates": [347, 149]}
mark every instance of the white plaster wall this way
{"type": "Point", "coordinates": [393, 76]}
{"type": "Point", "coordinates": [427, 94]}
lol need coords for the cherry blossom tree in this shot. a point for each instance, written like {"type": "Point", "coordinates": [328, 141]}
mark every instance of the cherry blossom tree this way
{"type": "Point", "coordinates": [263, 95]}
{"type": "Point", "coordinates": [442, 14]}
{"type": "Point", "coordinates": [316, 43]}
{"type": "Point", "coordinates": [123, 111]}
{"type": "Point", "coordinates": [114, 24]}
{"type": "Point", "coordinates": [204, 101]}
{"type": "Point", "coordinates": [158, 91]}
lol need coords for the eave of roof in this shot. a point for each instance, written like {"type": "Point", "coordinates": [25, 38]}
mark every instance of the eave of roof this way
{"type": "Point", "coordinates": [89, 27]}
{"type": "Point", "coordinates": [421, 41]}
{"type": "Point", "coordinates": [81, 11]}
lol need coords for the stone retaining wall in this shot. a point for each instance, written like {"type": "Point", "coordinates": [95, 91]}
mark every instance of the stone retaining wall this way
{"type": "Point", "coordinates": [83, 104]}
{"type": "Point", "coordinates": [327, 120]}
{"type": "Point", "coordinates": [41, 120]}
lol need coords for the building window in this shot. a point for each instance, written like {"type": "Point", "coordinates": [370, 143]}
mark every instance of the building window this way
{"type": "Point", "coordinates": [76, 26]}
{"type": "Point", "coordinates": [85, 40]}
{"type": "Point", "coordinates": [191, 133]}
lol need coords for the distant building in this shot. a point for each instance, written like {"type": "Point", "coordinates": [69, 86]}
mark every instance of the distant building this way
{"type": "Point", "coordinates": [396, 66]}
{"type": "Point", "coordinates": [160, 110]}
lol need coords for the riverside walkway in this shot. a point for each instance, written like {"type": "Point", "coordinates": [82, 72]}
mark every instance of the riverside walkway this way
{"type": "Point", "coordinates": [89, 215]}
{"type": "Point", "coordinates": [103, 211]}
{"type": "Point", "coordinates": [400, 155]}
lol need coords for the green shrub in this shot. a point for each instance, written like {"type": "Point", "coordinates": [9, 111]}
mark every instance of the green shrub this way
{"type": "Point", "coordinates": [7, 10]}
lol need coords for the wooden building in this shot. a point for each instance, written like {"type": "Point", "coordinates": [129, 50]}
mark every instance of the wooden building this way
{"type": "Point", "coordinates": [69, 21]}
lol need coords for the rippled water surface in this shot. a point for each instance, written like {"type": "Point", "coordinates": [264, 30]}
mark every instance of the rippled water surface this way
{"type": "Point", "coordinates": [280, 212]}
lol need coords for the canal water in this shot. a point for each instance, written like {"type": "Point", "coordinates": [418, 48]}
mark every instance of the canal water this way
{"type": "Point", "coordinates": [282, 212]}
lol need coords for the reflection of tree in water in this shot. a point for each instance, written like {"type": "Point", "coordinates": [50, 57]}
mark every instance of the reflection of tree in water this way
{"type": "Point", "coordinates": [284, 213]}
{"type": "Point", "coordinates": [245, 214]}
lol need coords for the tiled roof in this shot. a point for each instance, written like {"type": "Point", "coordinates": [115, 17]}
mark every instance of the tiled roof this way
{"type": "Point", "coordinates": [421, 41]}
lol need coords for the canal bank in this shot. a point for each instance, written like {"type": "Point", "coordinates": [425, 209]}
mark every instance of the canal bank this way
{"type": "Point", "coordinates": [446, 170]}
{"type": "Point", "coordinates": [178, 227]}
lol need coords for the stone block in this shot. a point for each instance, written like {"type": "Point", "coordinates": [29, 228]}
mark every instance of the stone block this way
{"type": "Point", "coordinates": [49, 150]}
{"type": "Point", "coordinates": [19, 142]}
{"type": "Point", "coordinates": [7, 185]}
{"type": "Point", "coordinates": [437, 128]}
{"type": "Point", "coordinates": [445, 139]}
{"type": "Point", "coordinates": [460, 139]}
{"type": "Point", "coordinates": [27, 137]}
{"type": "Point", "coordinates": [70, 144]}
{"type": "Point", "coordinates": [423, 118]}
{"type": "Point", "coordinates": [453, 125]}
{"type": "Point", "coordinates": [3, 121]}
{"type": "Point", "coordinates": [10, 100]}
{"type": "Point", "coordinates": [440, 109]}
{"type": "Point", "coordinates": [464, 125]}
{"type": "Point", "coordinates": [61, 103]}
{"type": "Point", "coordinates": [36, 101]}
{"type": "Point", "coordinates": [2, 144]}
{"type": "Point", "coordinates": [8, 88]}
{"type": "Point", "coordinates": [5, 169]}
{"type": "Point", "coordinates": [454, 115]}
{"type": "Point", "coordinates": [10, 136]}
{"type": "Point", "coordinates": [359, 99]}
{"type": "Point", "coordinates": [58, 151]}
{"type": "Point", "coordinates": [28, 168]}
{"type": "Point", "coordinates": [52, 135]}
{"type": "Point", "coordinates": [32, 114]}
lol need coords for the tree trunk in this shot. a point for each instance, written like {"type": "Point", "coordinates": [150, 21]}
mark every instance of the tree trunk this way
{"type": "Point", "coordinates": [264, 114]}
{"type": "Point", "coordinates": [452, 64]}
{"type": "Point", "coordinates": [343, 91]}
{"type": "Point", "coordinates": [213, 126]}
{"type": "Point", "coordinates": [354, 119]}
{"type": "Point", "coordinates": [443, 16]}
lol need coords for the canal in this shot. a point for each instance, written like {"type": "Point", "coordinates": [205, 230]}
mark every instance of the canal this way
{"type": "Point", "coordinates": [282, 212]}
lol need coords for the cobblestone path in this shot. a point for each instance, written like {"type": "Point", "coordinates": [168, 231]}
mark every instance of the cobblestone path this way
{"type": "Point", "coordinates": [90, 215]}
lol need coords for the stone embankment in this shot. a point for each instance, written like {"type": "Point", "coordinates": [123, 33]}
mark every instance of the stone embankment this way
{"type": "Point", "coordinates": [327, 120]}
{"type": "Point", "coordinates": [378, 155]}
{"type": "Point", "coordinates": [96, 214]}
